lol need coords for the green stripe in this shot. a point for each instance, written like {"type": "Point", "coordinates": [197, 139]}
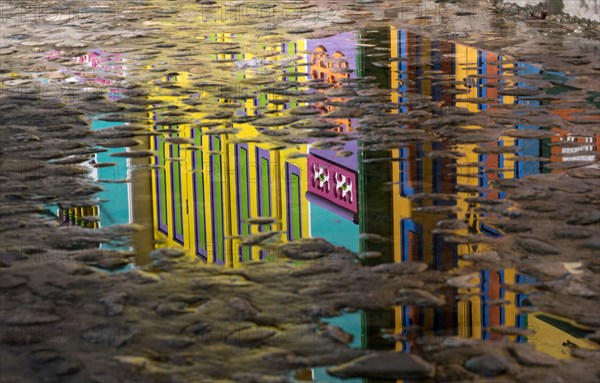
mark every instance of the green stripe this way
{"type": "Point", "coordinates": [295, 199]}
{"type": "Point", "coordinates": [244, 202]}
{"type": "Point", "coordinates": [218, 188]}
{"type": "Point", "coordinates": [177, 192]}
{"type": "Point", "coordinates": [200, 209]}
{"type": "Point", "coordinates": [265, 209]}
{"type": "Point", "coordinates": [163, 181]}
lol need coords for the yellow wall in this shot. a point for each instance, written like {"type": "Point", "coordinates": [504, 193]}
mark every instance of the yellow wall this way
{"type": "Point", "coordinates": [231, 229]}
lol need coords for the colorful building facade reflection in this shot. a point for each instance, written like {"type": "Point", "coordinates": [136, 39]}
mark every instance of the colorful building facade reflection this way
{"type": "Point", "coordinates": [333, 180]}
{"type": "Point", "coordinates": [207, 192]}
{"type": "Point", "coordinates": [474, 313]}
{"type": "Point", "coordinates": [115, 199]}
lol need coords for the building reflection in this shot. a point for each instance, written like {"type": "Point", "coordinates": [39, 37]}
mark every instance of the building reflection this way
{"type": "Point", "coordinates": [212, 178]}
{"type": "Point", "coordinates": [472, 312]}
{"type": "Point", "coordinates": [114, 201]}
{"type": "Point", "coordinates": [205, 194]}
{"type": "Point", "coordinates": [78, 216]}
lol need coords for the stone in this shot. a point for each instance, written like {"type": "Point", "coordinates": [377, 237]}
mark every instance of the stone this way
{"type": "Point", "coordinates": [464, 281]}
{"type": "Point", "coordinates": [546, 270]}
{"type": "Point", "coordinates": [519, 91]}
{"type": "Point", "coordinates": [134, 154]}
{"type": "Point", "coordinates": [482, 256]}
{"type": "Point", "coordinates": [252, 377]}
{"type": "Point", "coordinates": [110, 334]}
{"type": "Point", "coordinates": [300, 30]}
{"type": "Point", "coordinates": [178, 342]}
{"type": "Point", "coordinates": [572, 232]}
{"type": "Point", "coordinates": [251, 336]}
{"type": "Point", "coordinates": [585, 217]}
{"type": "Point", "coordinates": [527, 356]}
{"type": "Point", "coordinates": [171, 308]}
{"type": "Point", "coordinates": [400, 268]}
{"type": "Point", "coordinates": [487, 365]}
{"type": "Point", "coordinates": [275, 121]}
{"type": "Point", "coordinates": [510, 330]}
{"type": "Point", "coordinates": [529, 134]}
{"type": "Point", "coordinates": [262, 220]}
{"type": "Point", "coordinates": [335, 334]}
{"type": "Point", "coordinates": [344, 113]}
{"type": "Point", "coordinates": [536, 246]}
{"type": "Point", "coordinates": [167, 252]}
{"type": "Point", "coordinates": [307, 249]}
{"type": "Point", "coordinates": [305, 110]}
{"type": "Point", "coordinates": [136, 362]}
{"type": "Point", "coordinates": [70, 44]}
{"type": "Point", "coordinates": [539, 376]}
{"type": "Point", "coordinates": [369, 255]}
{"type": "Point", "coordinates": [114, 303]}
{"type": "Point", "coordinates": [585, 172]}
{"type": "Point", "coordinates": [515, 227]}
{"type": "Point", "coordinates": [48, 360]}
{"type": "Point", "coordinates": [418, 298]}
{"type": "Point", "coordinates": [10, 281]}
{"type": "Point", "coordinates": [67, 367]}
{"type": "Point", "coordinates": [392, 365]}
{"type": "Point", "coordinates": [27, 317]}
{"type": "Point", "coordinates": [120, 143]}
{"type": "Point", "coordinates": [198, 328]}
{"type": "Point", "coordinates": [255, 239]}
{"type": "Point", "coordinates": [142, 277]}
{"type": "Point", "coordinates": [40, 357]}
{"type": "Point", "coordinates": [111, 264]}
{"type": "Point", "coordinates": [244, 307]}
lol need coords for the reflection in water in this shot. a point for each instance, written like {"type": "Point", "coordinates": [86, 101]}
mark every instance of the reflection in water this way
{"type": "Point", "coordinates": [206, 194]}
{"type": "Point", "coordinates": [79, 216]}
{"type": "Point", "coordinates": [228, 186]}
{"type": "Point", "coordinates": [114, 201]}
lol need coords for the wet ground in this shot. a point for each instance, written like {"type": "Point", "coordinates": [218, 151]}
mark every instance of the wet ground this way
{"type": "Point", "coordinates": [357, 191]}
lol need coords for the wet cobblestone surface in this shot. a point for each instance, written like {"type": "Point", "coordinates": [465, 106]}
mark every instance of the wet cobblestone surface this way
{"type": "Point", "coordinates": [294, 191]}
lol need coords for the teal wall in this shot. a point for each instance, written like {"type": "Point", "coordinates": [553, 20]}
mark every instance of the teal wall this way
{"type": "Point", "coordinates": [335, 229]}
{"type": "Point", "coordinates": [115, 209]}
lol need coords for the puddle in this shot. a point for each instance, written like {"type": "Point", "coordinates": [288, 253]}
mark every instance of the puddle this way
{"type": "Point", "coordinates": [393, 189]}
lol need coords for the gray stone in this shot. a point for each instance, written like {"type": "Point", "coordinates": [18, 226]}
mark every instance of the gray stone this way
{"type": "Point", "coordinates": [527, 356]}
{"type": "Point", "coordinates": [9, 281]}
{"type": "Point", "coordinates": [110, 334]}
{"type": "Point", "coordinates": [171, 308]}
{"type": "Point", "coordinates": [537, 246]}
{"type": "Point", "coordinates": [400, 268]}
{"type": "Point", "coordinates": [418, 298]}
{"type": "Point", "coordinates": [244, 307]}
{"type": "Point", "coordinates": [487, 365]}
{"type": "Point", "coordinates": [336, 334]}
{"type": "Point", "coordinates": [585, 217]}
{"type": "Point", "coordinates": [251, 336]}
{"type": "Point", "coordinates": [26, 317]}
{"type": "Point", "coordinates": [167, 252]}
{"type": "Point", "coordinates": [390, 365]}
{"type": "Point", "coordinates": [572, 232]}
{"type": "Point", "coordinates": [306, 249]}
{"type": "Point", "coordinates": [114, 303]}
